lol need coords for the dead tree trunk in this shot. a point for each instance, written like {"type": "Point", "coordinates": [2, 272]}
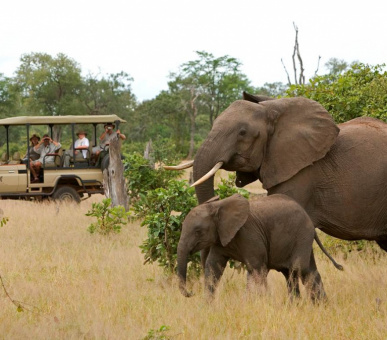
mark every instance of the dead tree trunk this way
{"type": "Point", "coordinates": [113, 176]}
{"type": "Point", "coordinates": [148, 154]}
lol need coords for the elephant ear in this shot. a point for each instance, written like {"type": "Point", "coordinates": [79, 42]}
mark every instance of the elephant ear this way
{"type": "Point", "coordinates": [255, 98]}
{"type": "Point", "coordinates": [232, 214]}
{"type": "Point", "coordinates": [302, 133]}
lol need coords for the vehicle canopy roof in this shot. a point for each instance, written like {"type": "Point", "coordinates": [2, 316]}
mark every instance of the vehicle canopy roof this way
{"type": "Point", "coordinates": [61, 120]}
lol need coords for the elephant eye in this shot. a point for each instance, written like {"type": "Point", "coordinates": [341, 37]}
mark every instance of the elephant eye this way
{"type": "Point", "coordinates": [242, 132]}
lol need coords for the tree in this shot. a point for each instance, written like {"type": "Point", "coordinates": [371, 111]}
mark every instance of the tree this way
{"type": "Point", "coordinates": [109, 94]}
{"type": "Point", "coordinates": [274, 90]}
{"type": "Point", "coordinates": [206, 86]}
{"type": "Point", "coordinates": [8, 97]}
{"type": "Point", "coordinates": [218, 81]}
{"type": "Point", "coordinates": [336, 66]}
{"type": "Point", "coordinates": [49, 86]}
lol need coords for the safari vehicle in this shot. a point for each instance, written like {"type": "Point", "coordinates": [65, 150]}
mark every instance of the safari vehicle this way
{"type": "Point", "coordinates": [79, 181]}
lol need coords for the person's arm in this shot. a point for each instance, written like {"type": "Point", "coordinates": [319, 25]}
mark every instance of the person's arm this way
{"type": "Point", "coordinates": [56, 144]}
{"type": "Point", "coordinates": [120, 135]}
{"type": "Point", "coordinates": [102, 137]}
{"type": "Point", "coordinates": [84, 144]}
{"type": "Point", "coordinates": [37, 147]}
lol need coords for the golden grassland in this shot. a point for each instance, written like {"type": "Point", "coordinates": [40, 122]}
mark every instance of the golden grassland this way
{"type": "Point", "coordinates": [75, 285]}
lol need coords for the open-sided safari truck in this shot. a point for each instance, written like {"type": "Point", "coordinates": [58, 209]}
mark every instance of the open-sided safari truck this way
{"type": "Point", "coordinates": [80, 180]}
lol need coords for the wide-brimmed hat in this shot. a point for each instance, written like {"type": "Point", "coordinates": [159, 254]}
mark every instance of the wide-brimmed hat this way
{"type": "Point", "coordinates": [109, 124]}
{"type": "Point", "coordinates": [81, 133]}
{"type": "Point", "coordinates": [34, 136]}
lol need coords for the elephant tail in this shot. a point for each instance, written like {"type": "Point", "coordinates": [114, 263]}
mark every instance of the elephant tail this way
{"type": "Point", "coordinates": [338, 266]}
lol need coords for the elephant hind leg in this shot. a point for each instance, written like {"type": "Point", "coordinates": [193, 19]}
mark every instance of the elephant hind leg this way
{"type": "Point", "coordinates": [312, 280]}
{"type": "Point", "coordinates": [292, 278]}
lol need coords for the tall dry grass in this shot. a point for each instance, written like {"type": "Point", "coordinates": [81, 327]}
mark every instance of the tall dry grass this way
{"type": "Point", "coordinates": [83, 286]}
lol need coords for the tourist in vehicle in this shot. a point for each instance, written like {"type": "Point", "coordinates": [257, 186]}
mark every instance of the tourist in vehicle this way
{"type": "Point", "coordinates": [105, 138]}
{"type": "Point", "coordinates": [33, 154]}
{"type": "Point", "coordinates": [81, 143]}
{"type": "Point", "coordinates": [46, 146]}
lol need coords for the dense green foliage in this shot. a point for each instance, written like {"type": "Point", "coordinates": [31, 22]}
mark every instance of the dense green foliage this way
{"type": "Point", "coordinates": [143, 177]}
{"type": "Point", "coordinates": [359, 91]}
{"type": "Point", "coordinates": [163, 211]}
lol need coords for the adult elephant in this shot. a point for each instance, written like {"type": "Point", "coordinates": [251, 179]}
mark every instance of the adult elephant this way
{"type": "Point", "coordinates": [337, 173]}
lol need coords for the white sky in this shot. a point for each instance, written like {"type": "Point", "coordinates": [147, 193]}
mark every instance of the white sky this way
{"type": "Point", "coordinates": [150, 38]}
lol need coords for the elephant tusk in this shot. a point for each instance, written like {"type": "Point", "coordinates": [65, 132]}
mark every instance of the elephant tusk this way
{"type": "Point", "coordinates": [209, 174]}
{"type": "Point", "coordinates": [179, 167]}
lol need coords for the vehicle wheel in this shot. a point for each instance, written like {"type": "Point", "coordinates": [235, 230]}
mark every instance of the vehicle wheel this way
{"type": "Point", "coordinates": [67, 194]}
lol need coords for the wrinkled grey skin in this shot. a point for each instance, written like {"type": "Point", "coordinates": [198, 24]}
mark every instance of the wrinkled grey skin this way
{"type": "Point", "coordinates": [337, 173]}
{"type": "Point", "coordinates": [270, 233]}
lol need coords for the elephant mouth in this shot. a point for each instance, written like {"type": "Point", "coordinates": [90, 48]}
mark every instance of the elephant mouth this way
{"type": "Point", "coordinates": [239, 162]}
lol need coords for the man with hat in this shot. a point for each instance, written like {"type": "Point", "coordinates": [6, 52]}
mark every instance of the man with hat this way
{"type": "Point", "coordinates": [81, 143]}
{"type": "Point", "coordinates": [105, 139]}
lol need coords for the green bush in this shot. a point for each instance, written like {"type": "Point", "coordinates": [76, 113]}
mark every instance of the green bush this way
{"type": "Point", "coordinates": [142, 177]}
{"type": "Point", "coordinates": [227, 188]}
{"type": "Point", "coordinates": [109, 220]}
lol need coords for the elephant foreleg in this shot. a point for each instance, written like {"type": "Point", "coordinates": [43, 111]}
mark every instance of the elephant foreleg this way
{"type": "Point", "coordinates": [215, 266]}
{"type": "Point", "coordinates": [203, 256]}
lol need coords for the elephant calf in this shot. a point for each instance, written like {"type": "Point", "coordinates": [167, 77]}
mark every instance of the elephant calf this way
{"type": "Point", "coordinates": [271, 233]}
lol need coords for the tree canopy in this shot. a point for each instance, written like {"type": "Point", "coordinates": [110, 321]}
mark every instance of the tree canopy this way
{"type": "Point", "coordinates": [198, 91]}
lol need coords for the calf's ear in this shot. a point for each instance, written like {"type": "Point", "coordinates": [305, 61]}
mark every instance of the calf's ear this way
{"type": "Point", "coordinates": [232, 213]}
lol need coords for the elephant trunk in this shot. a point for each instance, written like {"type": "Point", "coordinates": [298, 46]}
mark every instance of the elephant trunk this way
{"type": "Point", "coordinates": [182, 261]}
{"type": "Point", "coordinates": [206, 158]}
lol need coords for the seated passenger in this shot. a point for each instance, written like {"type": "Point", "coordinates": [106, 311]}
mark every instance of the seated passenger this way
{"type": "Point", "coordinates": [33, 154]}
{"type": "Point", "coordinates": [105, 139]}
{"type": "Point", "coordinates": [46, 146]}
{"type": "Point", "coordinates": [81, 143]}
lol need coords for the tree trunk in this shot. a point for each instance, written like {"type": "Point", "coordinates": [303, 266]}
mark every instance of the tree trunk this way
{"type": "Point", "coordinates": [114, 181]}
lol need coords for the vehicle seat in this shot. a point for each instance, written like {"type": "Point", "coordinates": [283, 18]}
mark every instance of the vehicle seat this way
{"type": "Point", "coordinates": [15, 158]}
{"type": "Point", "coordinates": [57, 161]}
{"type": "Point", "coordinates": [81, 159]}
{"type": "Point", "coordinates": [4, 159]}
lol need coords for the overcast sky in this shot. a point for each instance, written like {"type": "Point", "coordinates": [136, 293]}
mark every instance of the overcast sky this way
{"type": "Point", "coordinates": [150, 38]}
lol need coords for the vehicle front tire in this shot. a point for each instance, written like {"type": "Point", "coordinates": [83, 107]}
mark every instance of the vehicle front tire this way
{"type": "Point", "coordinates": [67, 194]}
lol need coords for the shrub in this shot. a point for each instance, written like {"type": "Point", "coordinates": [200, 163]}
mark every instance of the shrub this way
{"type": "Point", "coordinates": [109, 220]}
{"type": "Point", "coordinates": [142, 177]}
{"type": "Point", "coordinates": [227, 188]}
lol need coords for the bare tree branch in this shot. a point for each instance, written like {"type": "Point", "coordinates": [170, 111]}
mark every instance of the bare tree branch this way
{"type": "Point", "coordinates": [297, 48]}
{"type": "Point", "coordinates": [289, 82]}
{"type": "Point", "coordinates": [318, 65]}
